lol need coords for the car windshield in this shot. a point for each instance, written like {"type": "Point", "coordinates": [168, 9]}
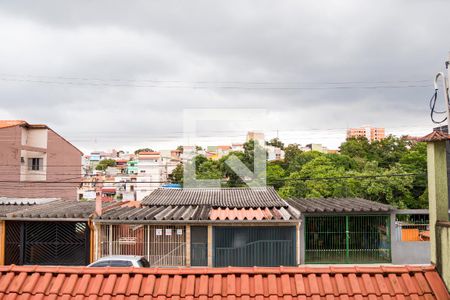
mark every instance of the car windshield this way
{"type": "Point", "coordinates": [104, 263]}
{"type": "Point", "coordinates": [121, 263]}
{"type": "Point", "coordinates": [143, 262]}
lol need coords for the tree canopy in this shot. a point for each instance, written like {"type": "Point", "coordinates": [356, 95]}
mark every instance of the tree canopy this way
{"type": "Point", "coordinates": [391, 171]}
{"type": "Point", "coordinates": [143, 150]}
{"type": "Point", "coordinates": [105, 163]}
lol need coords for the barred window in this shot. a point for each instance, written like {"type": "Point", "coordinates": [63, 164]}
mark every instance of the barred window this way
{"type": "Point", "coordinates": [35, 164]}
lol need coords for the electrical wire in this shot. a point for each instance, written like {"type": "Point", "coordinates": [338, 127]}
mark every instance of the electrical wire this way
{"type": "Point", "coordinates": [433, 108]}
{"type": "Point", "coordinates": [104, 84]}
{"type": "Point", "coordinates": [278, 179]}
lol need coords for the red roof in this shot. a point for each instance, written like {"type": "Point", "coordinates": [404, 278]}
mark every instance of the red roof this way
{"type": "Point", "coordinates": [149, 153]}
{"type": "Point", "coordinates": [11, 123]}
{"type": "Point", "coordinates": [259, 214]}
{"type": "Point", "coordinates": [31, 282]}
{"type": "Point", "coordinates": [435, 136]}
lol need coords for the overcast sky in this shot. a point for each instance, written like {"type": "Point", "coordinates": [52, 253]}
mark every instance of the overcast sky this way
{"type": "Point", "coordinates": [120, 73]}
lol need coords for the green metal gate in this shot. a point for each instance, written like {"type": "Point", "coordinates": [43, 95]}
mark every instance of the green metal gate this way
{"type": "Point", "coordinates": [347, 239]}
{"type": "Point", "coordinates": [254, 246]}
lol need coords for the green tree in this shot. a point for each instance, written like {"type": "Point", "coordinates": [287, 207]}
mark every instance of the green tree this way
{"type": "Point", "coordinates": [275, 175]}
{"type": "Point", "coordinates": [291, 151]}
{"type": "Point", "coordinates": [357, 148]}
{"type": "Point", "coordinates": [414, 161]}
{"type": "Point", "coordinates": [313, 180]}
{"type": "Point", "coordinates": [177, 174]}
{"type": "Point", "coordinates": [143, 150]}
{"type": "Point", "coordinates": [105, 163]}
{"type": "Point", "coordinates": [276, 142]}
{"type": "Point", "coordinates": [301, 159]}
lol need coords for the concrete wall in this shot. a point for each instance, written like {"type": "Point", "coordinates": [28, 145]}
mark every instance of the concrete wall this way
{"type": "Point", "coordinates": [410, 252]}
{"type": "Point", "coordinates": [443, 251]}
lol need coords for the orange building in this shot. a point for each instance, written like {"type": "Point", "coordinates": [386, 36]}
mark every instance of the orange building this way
{"type": "Point", "coordinates": [371, 133]}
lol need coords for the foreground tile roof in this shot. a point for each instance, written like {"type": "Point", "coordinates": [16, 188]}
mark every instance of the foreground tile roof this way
{"type": "Point", "coordinates": [336, 205]}
{"type": "Point", "coordinates": [218, 197]}
{"type": "Point", "coordinates": [31, 282]}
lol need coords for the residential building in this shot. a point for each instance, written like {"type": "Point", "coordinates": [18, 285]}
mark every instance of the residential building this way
{"type": "Point", "coordinates": [132, 167]}
{"type": "Point", "coordinates": [258, 137]}
{"type": "Point", "coordinates": [154, 169]}
{"type": "Point", "coordinates": [46, 233]}
{"type": "Point", "coordinates": [35, 161]}
{"type": "Point", "coordinates": [217, 152]}
{"type": "Point", "coordinates": [371, 133]}
{"type": "Point", "coordinates": [237, 147]}
{"type": "Point", "coordinates": [315, 147]}
{"type": "Point", "coordinates": [162, 225]}
{"type": "Point", "coordinates": [274, 153]}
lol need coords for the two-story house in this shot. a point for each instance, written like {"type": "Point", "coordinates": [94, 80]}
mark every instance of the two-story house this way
{"type": "Point", "coordinates": [36, 162]}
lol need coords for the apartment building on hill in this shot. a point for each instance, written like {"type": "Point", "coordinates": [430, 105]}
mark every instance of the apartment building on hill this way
{"type": "Point", "coordinates": [371, 133]}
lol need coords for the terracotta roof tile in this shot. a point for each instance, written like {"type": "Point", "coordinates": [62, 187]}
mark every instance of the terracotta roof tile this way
{"type": "Point", "coordinates": [287, 283]}
{"type": "Point", "coordinates": [11, 123]}
{"type": "Point", "coordinates": [198, 213]}
{"type": "Point", "coordinates": [435, 136]}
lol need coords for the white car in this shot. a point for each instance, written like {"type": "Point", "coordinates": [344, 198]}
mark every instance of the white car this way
{"type": "Point", "coordinates": [121, 261]}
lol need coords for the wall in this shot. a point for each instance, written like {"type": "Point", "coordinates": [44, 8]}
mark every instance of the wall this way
{"type": "Point", "coordinates": [410, 252]}
{"type": "Point", "coordinates": [407, 252]}
{"type": "Point", "coordinates": [443, 251]}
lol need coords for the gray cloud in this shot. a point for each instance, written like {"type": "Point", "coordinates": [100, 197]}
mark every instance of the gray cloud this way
{"type": "Point", "coordinates": [114, 51]}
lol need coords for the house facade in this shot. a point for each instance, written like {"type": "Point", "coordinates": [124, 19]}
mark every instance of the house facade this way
{"type": "Point", "coordinates": [203, 227]}
{"type": "Point", "coordinates": [35, 161]}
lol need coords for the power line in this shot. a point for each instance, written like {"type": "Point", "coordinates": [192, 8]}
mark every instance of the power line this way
{"type": "Point", "coordinates": [209, 81]}
{"type": "Point", "coordinates": [101, 84]}
{"type": "Point", "coordinates": [278, 179]}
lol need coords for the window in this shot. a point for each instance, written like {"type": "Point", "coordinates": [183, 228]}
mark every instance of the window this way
{"type": "Point", "coordinates": [143, 262]}
{"type": "Point", "coordinates": [35, 164]}
{"type": "Point", "coordinates": [104, 263]}
{"type": "Point", "coordinates": [120, 263]}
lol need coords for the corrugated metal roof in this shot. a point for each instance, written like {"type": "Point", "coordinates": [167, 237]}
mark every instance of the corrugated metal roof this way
{"type": "Point", "coordinates": [61, 209]}
{"type": "Point", "coordinates": [219, 197]}
{"type": "Point", "coordinates": [281, 283]}
{"type": "Point", "coordinates": [337, 205]}
{"type": "Point", "coordinates": [25, 201]}
{"type": "Point", "coordinates": [198, 213]}
{"type": "Point", "coordinates": [10, 205]}
{"type": "Point", "coordinates": [157, 213]}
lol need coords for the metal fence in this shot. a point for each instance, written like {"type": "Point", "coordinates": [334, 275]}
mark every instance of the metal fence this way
{"type": "Point", "coordinates": [347, 239]}
{"type": "Point", "coordinates": [161, 245]}
{"type": "Point", "coordinates": [254, 246]}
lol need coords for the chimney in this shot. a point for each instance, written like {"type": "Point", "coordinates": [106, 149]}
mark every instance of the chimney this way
{"type": "Point", "coordinates": [98, 204]}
